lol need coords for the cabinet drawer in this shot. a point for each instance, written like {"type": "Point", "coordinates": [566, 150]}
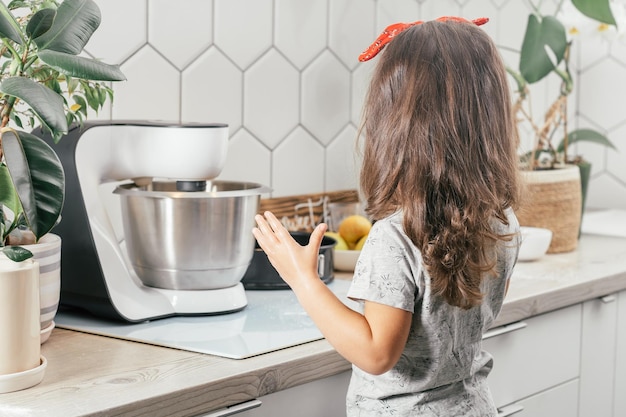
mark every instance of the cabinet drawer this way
{"type": "Point", "coordinates": [561, 400]}
{"type": "Point", "coordinates": [534, 358]}
{"type": "Point", "coordinates": [324, 397]}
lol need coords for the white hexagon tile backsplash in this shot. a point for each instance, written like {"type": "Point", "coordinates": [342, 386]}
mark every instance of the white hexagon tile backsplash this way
{"type": "Point", "coordinates": [284, 75]}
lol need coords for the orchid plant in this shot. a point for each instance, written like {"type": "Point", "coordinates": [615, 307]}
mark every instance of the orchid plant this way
{"type": "Point", "coordinates": [546, 50]}
{"type": "Point", "coordinates": [43, 82]}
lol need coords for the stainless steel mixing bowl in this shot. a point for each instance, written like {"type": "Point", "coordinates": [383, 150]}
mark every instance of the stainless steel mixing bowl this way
{"type": "Point", "coordinates": [190, 240]}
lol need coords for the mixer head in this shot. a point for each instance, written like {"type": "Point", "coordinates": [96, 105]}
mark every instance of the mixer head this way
{"type": "Point", "coordinates": [185, 152]}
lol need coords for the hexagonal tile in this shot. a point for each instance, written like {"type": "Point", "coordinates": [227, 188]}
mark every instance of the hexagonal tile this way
{"type": "Point", "coordinates": [394, 11]}
{"type": "Point", "coordinates": [616, 160]}
{"type": "Point", "coordinates": [589, 51]}
{"type": "Point", "coordinates": [360, 79]}
{"type": "Point", "coordinates": [182, 44]}
{"type": "Point", "coordinates": [300, 29]}
{"type": "Point", "coordinates": [298, 165]}
{"type": "Point", "coordinates": [212, 91]}
{"type": "Point", "coordinates": [325, 97]}
{"type": "Point", "coordinates": [433, 9]}
{"type": "Point", "coordinates": [351, 28]}
{"type": "Point", "coordinates": [511, 25]}
{"type": "Point", "coordinates": [474, 9]}
{"type": "Point", "coordinates": [247, 160]}
{"type": "Point", "coordinates": [121, 20]}
{"type": "Point", "coordinates": [156, 97]}
{"type": "Point", "coordinates": [600, 96]}
{"type": "Point", "coordinates": [271, 98]}
{"type": "Point", "coordinates": [606, 191]}
{"type": "Point", "coordinates": [243, 29]}
{"type": "Point", "coordinates": [343, 162]}
{"type": "Point", "coordinates": [618, 50]}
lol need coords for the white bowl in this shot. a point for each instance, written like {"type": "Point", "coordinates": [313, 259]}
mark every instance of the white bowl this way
{"type": "Point", "coordinates": [535, 243]}
{"type": "Point", "coordinates": [345, 260]}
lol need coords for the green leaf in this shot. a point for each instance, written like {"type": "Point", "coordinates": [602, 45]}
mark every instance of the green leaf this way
{"type": "Point", "coordinates": [9, 28]}
{"type": "Point", "coordinates": [80, 67]}
{"type": "Point", "coordinates": [82, 103]}
{"type": "Point", "coordinates": [38, 177]}
{"type": "Point", "coordinates": [40, 23]}
{"type": "Point", "coordinates": [599, 10]}
{"type": "Point", "coordinates": [8, 196]}
{"type": "Point", "coordinates": [76, 21]}
{"type": "Point", "coordinates": [45, 103]}
{"type": "Point", "coordinates": [93, 99]}
{"type": "Point", "coordinates": [17, 253]}
{"type": "Point", "coordinates": [535, 63]}
{"type": "Point", "coordinates": [585, 135]}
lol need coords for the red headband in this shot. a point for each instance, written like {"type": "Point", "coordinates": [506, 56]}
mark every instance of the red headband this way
{"type": "Point", "coordinates": [392, 30]}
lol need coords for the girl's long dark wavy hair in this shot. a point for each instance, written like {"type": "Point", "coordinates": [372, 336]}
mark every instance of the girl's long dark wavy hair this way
{"type": "Point", "coordinates": [441, 146]}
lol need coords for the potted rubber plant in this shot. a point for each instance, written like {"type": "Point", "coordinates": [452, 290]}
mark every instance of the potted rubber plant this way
{"type": "Point", "coordinates": [45, 82]}
{"type": "Point", "coordinates": [556, 179]}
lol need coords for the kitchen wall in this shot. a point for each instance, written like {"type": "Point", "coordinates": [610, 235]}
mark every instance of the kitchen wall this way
{"type": "Point", "coordinates": [284, 75]}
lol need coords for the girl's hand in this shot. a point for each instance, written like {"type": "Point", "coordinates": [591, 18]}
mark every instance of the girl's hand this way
{"type": "Point", "coordinates": [373, 341]}
{"type": "Point", "coordinates": [294, 263]}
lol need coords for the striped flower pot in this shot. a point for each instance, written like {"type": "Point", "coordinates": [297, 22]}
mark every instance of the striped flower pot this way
{"type": "Point", "coordinates": [47, 252]}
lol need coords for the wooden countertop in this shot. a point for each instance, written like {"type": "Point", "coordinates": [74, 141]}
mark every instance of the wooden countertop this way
{"type": "Point", "coordinates": [91, 375]}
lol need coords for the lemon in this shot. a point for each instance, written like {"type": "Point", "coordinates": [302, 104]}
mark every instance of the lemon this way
{"type": "Point", "coordinates": [360, 243]}
{"type": "Point", "coordinates": [341, 243]}
{"type": "Point", "coordinates": [354, 227]}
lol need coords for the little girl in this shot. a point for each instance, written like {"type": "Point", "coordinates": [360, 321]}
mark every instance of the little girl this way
{"type": "Point", "coordinates": [439, 179]}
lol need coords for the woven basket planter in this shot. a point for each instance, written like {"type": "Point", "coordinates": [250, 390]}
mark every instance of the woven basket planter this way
{"type": "Point", "coordinates": [553, 200]}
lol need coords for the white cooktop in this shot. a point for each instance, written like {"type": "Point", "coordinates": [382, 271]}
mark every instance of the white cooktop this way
{"type": "Point", "coordinates": [272, 320]}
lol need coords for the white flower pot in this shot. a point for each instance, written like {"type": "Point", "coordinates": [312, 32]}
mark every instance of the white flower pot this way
{"type": "Point", "coordinates": [20, 347]}
{"type": "Point", "coordinates": [47, 252]}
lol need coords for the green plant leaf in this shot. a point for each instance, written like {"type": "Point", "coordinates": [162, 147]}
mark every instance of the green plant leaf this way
{"type": "Point", "coordinates": [585, 135]}
{"type": "Point", "coordinates": [40, 23]}
{"type": "Point", "coordinates": [535, 63]}
{"type": "Point", "coordinates": [80, 67]}
{"type": "Point", "coordinates": [599, 10]}
{"type": "Point", "coordinates": [38, 177]}
{"type": "Point", "coordinates": [17, 253]}
{"type": "Point", "coordinates": [74, 24]}
{"type": "Point", "coordinates": [8, 26]}
{"type": "Point", "coordinates": [47, 104]}
{"type": "Point", "coordinates": [8, 196]}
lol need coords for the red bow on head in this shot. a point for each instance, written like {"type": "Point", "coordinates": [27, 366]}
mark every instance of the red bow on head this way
{"type": "Point", "coordinates": [392, 30]}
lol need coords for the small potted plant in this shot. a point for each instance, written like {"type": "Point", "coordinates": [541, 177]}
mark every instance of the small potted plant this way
{"type": "Point", "coordinates": [44, 81]}
{"type": "Point", "coordinates": [549, 168]}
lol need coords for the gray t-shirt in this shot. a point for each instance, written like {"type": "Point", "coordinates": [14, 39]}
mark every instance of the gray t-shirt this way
{"type": "Point", "coordinates": [443, 369]}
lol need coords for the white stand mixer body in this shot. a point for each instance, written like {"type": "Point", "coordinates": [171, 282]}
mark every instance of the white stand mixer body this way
{"type": "Point", "coordinates": [106, 154]}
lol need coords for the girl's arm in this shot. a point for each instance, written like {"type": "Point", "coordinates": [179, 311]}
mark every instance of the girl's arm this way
{"type": "Point", "coordinates": [373, 341]}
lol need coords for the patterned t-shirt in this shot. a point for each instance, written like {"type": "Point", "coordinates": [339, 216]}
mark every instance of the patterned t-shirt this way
{"type": "Point", "coordinates": [443, 369]}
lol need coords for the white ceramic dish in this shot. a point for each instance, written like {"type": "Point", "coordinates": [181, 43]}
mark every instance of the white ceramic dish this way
{"type": "Point", "coordinates": [45, 333]}
{"type": "Point", "coordinates": [535, 243]}
{"type": "Point", "coordinates": [345, 260]}
{"type": "Point", "coordinates": [23, 380]}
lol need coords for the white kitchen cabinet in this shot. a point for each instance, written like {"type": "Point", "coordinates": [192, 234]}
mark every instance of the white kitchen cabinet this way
{"type": "Point", "coordinates": [536, 355]}
{"type": "Point", "coordinates": [557, 401]}
{"type": "Point", "coordinates": [619, 406]}
{"type": "Point", "coordinates": [598, 357]}
{"type": "Point", "coordinates": [325, 397]}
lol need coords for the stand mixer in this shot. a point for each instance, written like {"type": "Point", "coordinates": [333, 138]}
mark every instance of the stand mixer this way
{"type": "Point", "coordinates": [147, 232]}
